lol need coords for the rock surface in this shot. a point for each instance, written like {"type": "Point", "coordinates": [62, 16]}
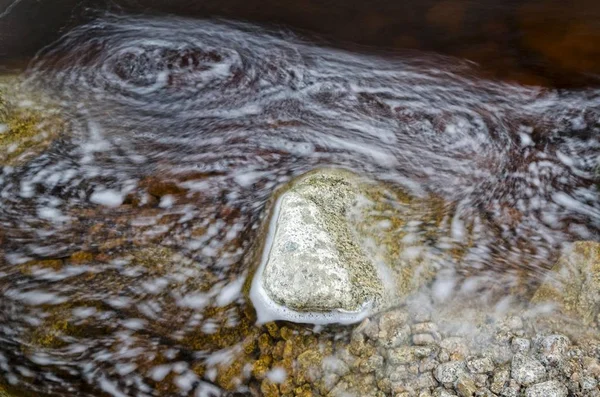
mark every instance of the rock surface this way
{"type": "Point", "coordinates": [28, 123]}
{"type": "Point", "coordinates": [332, 251]}
{"type": "Point", "coordinates": [314, 262]}
{"type": "Point", "coordinates": [574, 285]}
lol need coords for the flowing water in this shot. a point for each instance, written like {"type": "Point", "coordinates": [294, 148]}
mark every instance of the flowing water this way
{"type": "Point", "coordinates": [179, 130]}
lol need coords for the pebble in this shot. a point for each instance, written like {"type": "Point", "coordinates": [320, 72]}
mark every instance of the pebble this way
{"type": "Point", "coordinates": [520, 345]}
{"type": "Point", "coordinates": [449, 372]}
{"type": "Point", "coordinates": [551, 388]}
{"type": "Point", "coordinates": [466, 387]}
{"type": "Point", "coordinates": [527, 370]}
{"type": "Point", "coordinates": [553, 348]}
{"type": "Point", "coordinates": [480, 365]}
{"type": "Point", "coordinates": [401, 355]}
{"type": "Point", "coordinates": [423, 339]}
{"type": "Point", "coordinates": [443, 393]}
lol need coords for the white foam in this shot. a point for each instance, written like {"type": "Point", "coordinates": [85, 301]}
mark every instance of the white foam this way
{"type": "Point", "coordinates": [277, 375]}
{"type": "Point", "coordinates": [230, 292]}
{"type": "Point", "coordinates": [108, 198]}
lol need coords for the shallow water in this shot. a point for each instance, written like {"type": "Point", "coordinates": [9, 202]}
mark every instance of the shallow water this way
{"type": "Point", "coordinates": [179, 132]}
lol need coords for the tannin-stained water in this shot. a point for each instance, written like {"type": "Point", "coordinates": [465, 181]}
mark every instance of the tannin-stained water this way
{"type": "Point", "coordinates": [180, 130]}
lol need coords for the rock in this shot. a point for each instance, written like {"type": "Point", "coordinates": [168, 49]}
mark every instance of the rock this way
{"type": "Point", "coordinates": [456, 347]}
{"type": "Point", "coordinates": [449, 372]}
{"type": "Point", "coordinates": [29, 122]}
{"type": "Point", "coordinates": [553, 348]}
{"type": "Point", "coordinates": [551, 388]}
{"type": "Point", "coordinates": [466, 387]}
{"type": "Point", "coordinates": [424, 381]}
{"type": "Point", "coordinates": [527, 370]}
{"type": "Point", "coordinates": [423, 339]}
{"type": "Point", "coordinates": [335, 365]}
{"type": "Point", "coordinates": [393, 330]}
{"type": "Point", "coordinates": [443, 393]}
{"type": "Point", "coordinates": [501, 378]}
{"type": "Point", "coordinates": [520, 345]}
{"type": "Point", "coordinates": [588, 383]}
{"type": "Point", "coordinates": [331, 252]}
{"type": "Point", "coordinates": [512, 389]}
{"type": "Point", "coordinates": [371, 364]}
{"type": "Point", "coordinates": [401, 355]}
{"type": "Point", "coordinates": [480, 365]}
{"type": "Point", "coordinates": [574, 284]}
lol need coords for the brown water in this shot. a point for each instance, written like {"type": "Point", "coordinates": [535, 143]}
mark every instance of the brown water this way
{"type": "Point", "coordinates": [547, 42]}
{"type": "Point", "coordinates": [124, 243]}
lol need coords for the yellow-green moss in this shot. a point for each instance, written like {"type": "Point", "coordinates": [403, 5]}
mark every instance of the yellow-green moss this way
{"type": "Point", "coordinates": [27, 129]}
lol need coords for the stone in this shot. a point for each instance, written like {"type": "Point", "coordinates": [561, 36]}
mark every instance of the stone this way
{"type": "Point", "coordinates": [335, 365]}
{"type": "Point", "coordinates": [401, 355]}
{"type": "Point", "coordinates": [456, 347]}
{"type": "Point", "coordinates": [512, 389]}
{"type": "Point", "coordinates": [25, 130]}
{"type": "Point", "coordinates": [501, 378]}
{"type": "Point", "coordinates": [466, 387]}
{"type": "Point", "coordinates": [527, 370]}
{"type": "Point", "coordinates": [588, 383]}
{"type": "Point", "coordinates": [449, 372]}
{"type": "Point", "coordinates": [552, 349]}
{"type": "Point", "coordinates": [325, 258]}
{"type": "Point", "coordinates": [480, 365]}
{"type": "Point", "coordinates": [423, 339]}
{"type": "Point", "coordinates": [552, 388]}
{"type": "Point", "coordinates": [311, 267]}
{"type": "Point", "coordinates": [443, 393]}
{"type": "Point", "coordinates": [574, 283]}
{"type": "Point", "coordinates": [520, 345]}
{"type": "Point", "coordinates": [371, 364]}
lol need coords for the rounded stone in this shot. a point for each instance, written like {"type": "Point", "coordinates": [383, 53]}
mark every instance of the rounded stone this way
{"type": "Point", "coordinates": [551, 388]}
{"type": "Point", "coordinates": [527, 370]}
{"type": "Point", "coordinates": [331, 251]}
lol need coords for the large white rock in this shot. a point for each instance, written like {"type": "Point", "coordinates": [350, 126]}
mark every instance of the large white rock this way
{"type": "Point", "coordinates": [330, 253]}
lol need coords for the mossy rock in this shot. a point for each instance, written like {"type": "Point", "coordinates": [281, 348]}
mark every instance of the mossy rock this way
{"type": "Point", "coordinates": [28, 123]}
{"type": "Point", "coordinates": [574, 283]}
{"type": "Point", "coordinates": [336, 247]}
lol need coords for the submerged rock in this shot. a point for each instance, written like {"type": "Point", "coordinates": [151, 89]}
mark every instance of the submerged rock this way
{"type": "Point", "coordinates": [333, 251]}
{"type": "Point", "coordinates": [574, 284]}
{"type": "Point", "coordinates": [28, 123]}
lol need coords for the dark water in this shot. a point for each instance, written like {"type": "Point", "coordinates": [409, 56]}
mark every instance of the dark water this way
{"type": "Point", "coordinates": [181, 129]}
{"type": "Point", "coordinates": [543, 42]}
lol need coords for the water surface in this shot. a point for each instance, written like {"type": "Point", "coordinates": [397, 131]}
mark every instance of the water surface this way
{"type": "Point", "coordinates": [179, 132]}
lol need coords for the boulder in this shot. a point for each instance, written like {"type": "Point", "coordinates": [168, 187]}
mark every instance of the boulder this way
{"type": "Point", "coordinates": [333, 251]}
{"type": "Point", "coordinates": [574, 284]}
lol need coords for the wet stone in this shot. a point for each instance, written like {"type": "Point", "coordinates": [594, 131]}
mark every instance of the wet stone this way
{"type": "Point", "coordinates": [325, 259]}
{"type": "Point", "coordinates": [480, 365]}
{"type": "Point", "coordinates": [466, 387]}
{"type": "Point", "coordinates": [527, 370]}
{"type": "Point", "coordinates": [551, 388]}
{"type": "Point", "coordinates": [448, 373]}
{"type": "Point", "coordinates": [552, 349]}
{"type": "Point", "coordinates": [520, 345]}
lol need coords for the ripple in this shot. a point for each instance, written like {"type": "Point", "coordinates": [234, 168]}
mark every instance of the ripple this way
{"type": "Point", "coordinates": [187, 127]}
